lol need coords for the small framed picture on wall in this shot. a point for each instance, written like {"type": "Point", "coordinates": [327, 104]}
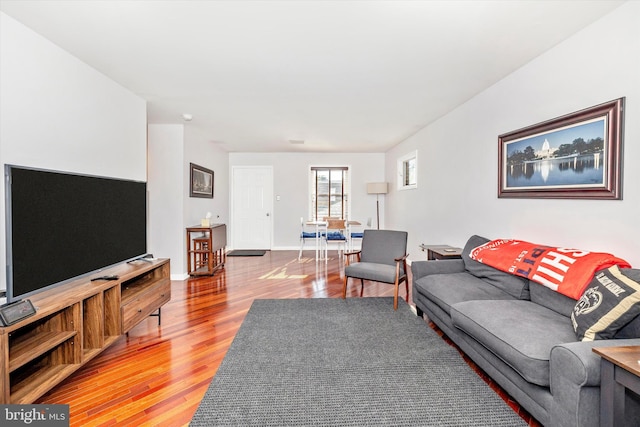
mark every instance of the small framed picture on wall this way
{"type": "Point", "coordinates": [201, 184]}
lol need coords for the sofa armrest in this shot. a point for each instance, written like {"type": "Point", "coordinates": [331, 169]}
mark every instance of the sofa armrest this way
{"type": "Point", "coordinates": [575, 382]}
{"type": "Point", "coordinates": [424, 268]}
{"type": "Point", "coordinates": [577, 363]}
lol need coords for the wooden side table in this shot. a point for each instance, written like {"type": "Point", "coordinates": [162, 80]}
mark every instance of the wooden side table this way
{"type": "Point", "coordinates": [206, 251]}
{"type": "Point", "coordinates": [441, 252]}
{"type": "Point", "coordinates": [619, 371]}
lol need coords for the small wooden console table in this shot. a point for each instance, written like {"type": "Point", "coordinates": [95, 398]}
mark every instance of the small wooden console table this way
{"type": "Point", "coordinates": [441, 252]}
{"type": "Point", "coordinates": [206, 249]}
{"type": "Point", "coordinates": [619, 371]}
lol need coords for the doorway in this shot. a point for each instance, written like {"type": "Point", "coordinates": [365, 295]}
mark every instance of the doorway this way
{"type": "Point", "coordinates": [252, 207]}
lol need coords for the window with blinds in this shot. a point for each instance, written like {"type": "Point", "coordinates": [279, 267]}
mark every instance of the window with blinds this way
{"type": "Point", "coordinates": [329, 189]}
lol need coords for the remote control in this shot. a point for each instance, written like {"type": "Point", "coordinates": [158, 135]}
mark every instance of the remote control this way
{"type": "Point", "coordinates": [112, 277]}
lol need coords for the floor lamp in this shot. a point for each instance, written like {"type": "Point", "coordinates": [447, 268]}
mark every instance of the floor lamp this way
{"type": "Point", "coordinates": [377, 188]}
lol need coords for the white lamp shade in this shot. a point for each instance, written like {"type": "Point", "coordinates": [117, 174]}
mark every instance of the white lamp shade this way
{"type": "Point", "coordinates": [377, 188]}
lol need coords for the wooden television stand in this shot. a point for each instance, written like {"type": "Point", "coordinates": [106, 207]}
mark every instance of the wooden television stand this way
{"type": "Point", "coordinates": [74, 323]}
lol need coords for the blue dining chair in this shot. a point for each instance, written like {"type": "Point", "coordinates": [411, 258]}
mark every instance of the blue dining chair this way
{"type": "Point", "coordinates": [357, 235]}
{"type": "Point", "coordinates": [313, 232]}
{"type": "Point", "coordinates": [336, 229]}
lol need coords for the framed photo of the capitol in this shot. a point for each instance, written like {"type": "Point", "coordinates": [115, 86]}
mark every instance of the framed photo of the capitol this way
{"type": "Point", "coordinates": [578, 155]}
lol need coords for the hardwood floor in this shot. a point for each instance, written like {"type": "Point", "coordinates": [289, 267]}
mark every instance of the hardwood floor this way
{"type": "Point", "coordinates": [157, 375]}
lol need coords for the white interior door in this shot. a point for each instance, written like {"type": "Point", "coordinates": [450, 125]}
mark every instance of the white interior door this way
{"type": "Point", "coordinates": [252, 204]}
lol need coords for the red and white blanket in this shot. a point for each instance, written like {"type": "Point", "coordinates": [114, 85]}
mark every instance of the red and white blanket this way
{"type": "Point", "coordinates": [564, 270]}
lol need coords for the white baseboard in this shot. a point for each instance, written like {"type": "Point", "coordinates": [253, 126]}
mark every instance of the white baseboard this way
{"type": "Point", "coordinates": [180, 276]}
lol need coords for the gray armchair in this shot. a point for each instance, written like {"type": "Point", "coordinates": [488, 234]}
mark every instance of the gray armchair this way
{"type": "Point", "coordinates": [383, 258]}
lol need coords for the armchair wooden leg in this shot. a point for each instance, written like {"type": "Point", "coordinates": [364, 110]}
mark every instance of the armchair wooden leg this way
{"type": "Point", "coordinates": [395, 296]}
{"type": "Point", "coordinates": [406, 283]}
{"type": "Point", "coordinates": [361, 287]}
{"type": "Point", "coordinates": [344, 287]}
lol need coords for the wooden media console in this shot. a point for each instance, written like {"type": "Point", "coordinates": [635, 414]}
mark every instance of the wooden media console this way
{"type": "Point", "coordinates": [73, 323]}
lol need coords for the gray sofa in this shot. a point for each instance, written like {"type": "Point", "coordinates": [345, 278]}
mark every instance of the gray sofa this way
{"type": "Point", "coordinates": [520, 333]}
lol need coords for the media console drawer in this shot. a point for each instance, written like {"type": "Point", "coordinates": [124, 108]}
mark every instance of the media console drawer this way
{"type": "Point", "coordinates": [145, 303]}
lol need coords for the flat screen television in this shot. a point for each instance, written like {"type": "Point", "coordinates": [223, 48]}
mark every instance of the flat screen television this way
{"type": "Point", "coordinates": [61, 226]}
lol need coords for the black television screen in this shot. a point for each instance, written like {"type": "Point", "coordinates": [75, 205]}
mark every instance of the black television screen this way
{"type": "Point", "coordinates": [60, 226]}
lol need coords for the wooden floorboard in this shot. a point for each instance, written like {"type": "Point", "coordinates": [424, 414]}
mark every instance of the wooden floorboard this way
{"type": "Point", "coordinates": [157, 375]}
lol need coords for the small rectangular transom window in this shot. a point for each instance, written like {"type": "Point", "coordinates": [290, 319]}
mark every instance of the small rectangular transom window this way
{"type": "Point", "coordinates": [408, 171]}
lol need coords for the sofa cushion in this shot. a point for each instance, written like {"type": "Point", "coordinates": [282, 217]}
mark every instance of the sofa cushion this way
{"type": "Point", "coordinates": [373, 271]}
{"type": "Point", "coordinates": [514, 285]}
{"type": "Point", "coordinates": [632, 329]}
{"type": "Point", "coordinates": [520, 333]}
{"type": "Point", "coordinates": [564, 270]}
{"type": "Point", "coordinates": [448, 289]}
{"type": "Point", "coordinates": [551, 299]}
{"type": "Point", "coordinates": [609, 303]}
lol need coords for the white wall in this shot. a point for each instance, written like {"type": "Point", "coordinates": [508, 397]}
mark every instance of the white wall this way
{"type": "Point", "coordinates": [58, 113]}
{"type": "Point", "coordinates": [166, 184]}
{"type": "Point", "coordinates": [291, 183]}
{"type": "Point", "coordinates": [203, 152]}
{"type": "Point", "coordinates": [172, 147]}
{"type": "Point", "coordinates": [458, 157]}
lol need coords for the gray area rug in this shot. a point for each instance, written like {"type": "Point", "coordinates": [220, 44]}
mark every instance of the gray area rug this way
{"type": "Point", "coordinates": [353, 362]}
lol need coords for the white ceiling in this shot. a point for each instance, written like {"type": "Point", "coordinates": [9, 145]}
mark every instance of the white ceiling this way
{"type": "Point", "coordinates": [344, 76]}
